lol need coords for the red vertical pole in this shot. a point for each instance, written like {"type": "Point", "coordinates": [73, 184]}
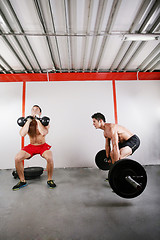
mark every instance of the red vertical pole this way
{"type": "Point", "coordinates": [115, 101]}
{"type": "Point", "coordinates": [23, 109]}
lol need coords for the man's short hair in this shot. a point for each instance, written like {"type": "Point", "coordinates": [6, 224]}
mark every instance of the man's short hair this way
{"type": "Point", "coordinates": [38, 107]}
{"type": "Point", "coordinates": [99, 116]}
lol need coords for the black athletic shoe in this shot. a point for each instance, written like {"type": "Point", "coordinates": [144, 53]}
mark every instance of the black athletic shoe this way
{"type": "Point", "coordinates": [51, 184]}
{"type": "Point", "coordinates": [19, 185]}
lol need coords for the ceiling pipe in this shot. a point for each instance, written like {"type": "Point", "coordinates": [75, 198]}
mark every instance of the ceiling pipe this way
{"type": "Point", "coordinates": [143, 26]}
{"type": "Point", "coordinates": [112, 17]}
{"type": "Point", "coordinates": [54, 29]}
{"type": "Point", "coordinates": [67, 17]}
{"type": "Point", "coordinates": [90, 7]}
{"type": "Point", "coordinates": [44, 26]}
{"type": "Point", "coordinates": [99, 19]}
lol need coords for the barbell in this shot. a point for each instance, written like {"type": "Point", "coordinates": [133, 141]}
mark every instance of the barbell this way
{"type": "Point", "coordinates": [127, 177]}
{"type": "Point", "coordinates": [102, 161]}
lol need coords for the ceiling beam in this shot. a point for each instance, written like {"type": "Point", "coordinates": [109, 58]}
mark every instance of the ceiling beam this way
{"type": "Point", "coordinates": [99, 18]}
{"type": "Point", "coordinates": [44, 26]}
{"type": "Point", "coordinates": [86, 40]}
{"type": "Point", "coordinates": [112, 17]}
{"type": "Point", "coordinates": [41, 77]}
{"type": "Point", "coordinates": [67, 22]}
{"type": "Point", "coordinates": [54, 30]}
{"type": "Point", "coordinates": [88, 34]}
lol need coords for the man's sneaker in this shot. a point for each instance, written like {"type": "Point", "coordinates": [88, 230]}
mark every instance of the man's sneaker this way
{"type": "Point", "coordinates": [19, 185]}
{"type": "Point", "coordinates": [106, 180]}
{"type": "Point", "coordinates": [51, 184]}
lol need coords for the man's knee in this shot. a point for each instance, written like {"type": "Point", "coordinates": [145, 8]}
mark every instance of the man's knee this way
{"type": "Point", "coordinates": [48, 157]}
{"type": "Point", "coordinates": [18, 158]}
{"type": "Point", "coordinates": [21, 156]}
{"type": "Point", "coordinates": [49, 160]}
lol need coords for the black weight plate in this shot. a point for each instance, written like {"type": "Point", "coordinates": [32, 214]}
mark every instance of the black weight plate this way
{"type": "Point", "coordinates": [30, 172]}
{"type": "Point", "coordinates": [14, 173]}
{"type": "Point", "coordinates": [33, 172]}
{"type": "Point", "coordinates": [101, 162]}
{"type": "Point", "coordinates": [123, 168]}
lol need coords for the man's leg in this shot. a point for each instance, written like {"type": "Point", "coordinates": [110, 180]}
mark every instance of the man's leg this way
{"type": "Point", "coordinates": [125, 152]}
{"type": "Point", "coordinates": [49, 158]}
{"type": "Point", "coordinates": [22, 155]}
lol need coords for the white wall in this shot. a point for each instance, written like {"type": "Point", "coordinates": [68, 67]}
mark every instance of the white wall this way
{"type": "Point", "coordinates": [10, 110]}
{"type": "Point", "coordinates": [139, 109]}
{"type": "Point", "coordinates": [70, 105]}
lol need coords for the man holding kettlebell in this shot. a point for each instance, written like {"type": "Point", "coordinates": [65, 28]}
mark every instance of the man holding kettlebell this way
{"type": "Point", "coordinates": [36, 128]}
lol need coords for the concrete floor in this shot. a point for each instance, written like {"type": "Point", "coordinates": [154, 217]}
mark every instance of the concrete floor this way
{"type": "Point", "coordinates": [82, 207]}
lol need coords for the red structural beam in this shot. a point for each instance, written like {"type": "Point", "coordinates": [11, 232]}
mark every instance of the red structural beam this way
{"type": "Point", "coordinates": [38, 77]}
{"type": "Point", "coordinates": [23, 110]}
{"type": "Point", "coordinates": [115, 102]}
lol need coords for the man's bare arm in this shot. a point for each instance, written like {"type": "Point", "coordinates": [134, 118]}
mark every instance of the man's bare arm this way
{"type": "Point", "coordinates": [24, 130]}
{"type": "Point", "coordinates": [42, 129]}
{"type": "Point", "coordinates": [107, 147]}
{"type": "Point", "coordinates": [115, 148]}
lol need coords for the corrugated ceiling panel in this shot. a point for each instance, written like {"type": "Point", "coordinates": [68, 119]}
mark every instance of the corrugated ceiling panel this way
{"type": "Point", "coordinates": [110, 52]}
{"type": "Point", "coordinates": [26, 13]}
{"type": "Point", "coordinates": [10, 58]}
{"type": "Point", "coordinates": [42, 52]}
{"type": "Point", "coordinates": [82, 11]}
{"type": "Point", "coordinates": [126, 15]}
{"type": "Point", "coordinates": [107, 9]}
{"type": "Point", "coordinates": [104, 21]}
{"type": "Point", "coordinates": [147, 49]}
{"type": "Point", "coordinates": [59, 16]}
{"type": "Point", "coordinates": [63, 49]}
{"type": "Point", "coordinates": [98, 43]}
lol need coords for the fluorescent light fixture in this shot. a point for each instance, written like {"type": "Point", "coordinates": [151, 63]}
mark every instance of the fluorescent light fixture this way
{"type": "Point", "coordinates": [140, 37]}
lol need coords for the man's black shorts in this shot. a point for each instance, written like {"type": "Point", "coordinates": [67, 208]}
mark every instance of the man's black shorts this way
{"type": "Point", "coordinates": [133, 142]}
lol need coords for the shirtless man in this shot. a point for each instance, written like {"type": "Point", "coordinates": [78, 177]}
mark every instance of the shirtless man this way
{"type": "Point", "coordinates": [120, 142]}
{"type": "Point", "coordinates": [37, 132]}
